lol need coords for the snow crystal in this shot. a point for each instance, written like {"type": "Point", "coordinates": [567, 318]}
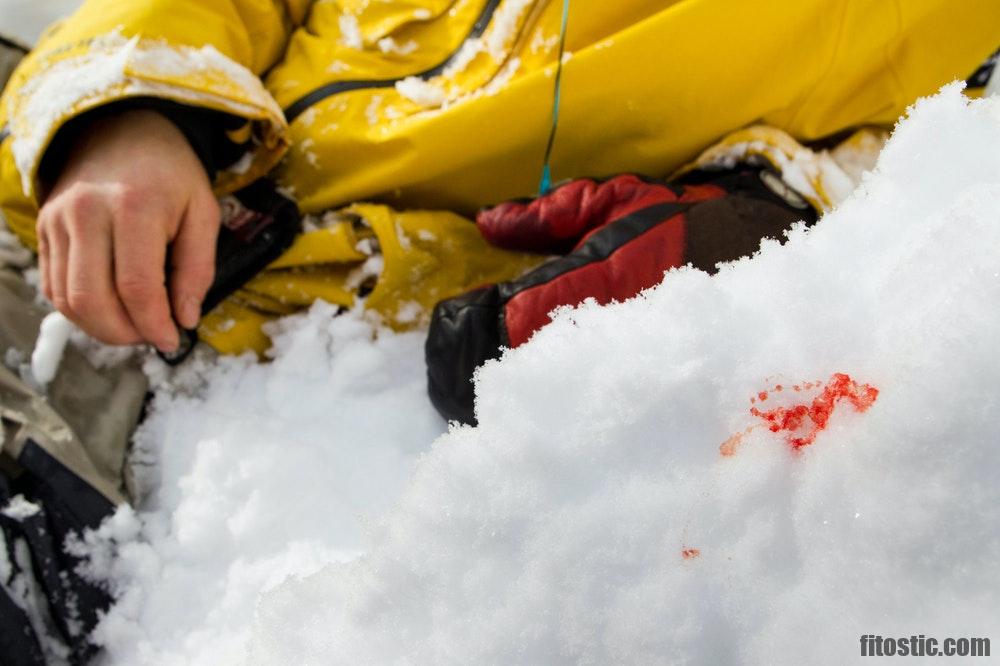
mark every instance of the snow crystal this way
{"type": "Point", "coordinates": [504, 26]}
{"type": "Point", "coordinates": [421, 92]}
{"type": "Point", "coordinates": [305, 147]}
{"type": "Point", "coordinates": [350, 32]}
{"type": "Point", "coordinates": [466, 53]}
{"type": "Point", "coordinates": [367, 272]}
{"type": "Point", "coordinates": [18, 508]}
{"type": "Point", "coordinates": [371, 111]}
{"type": "Point", "coordinates": [389, 45]}
{"type": "Point", "coordinates": [503, 77]}
{"type": "Point", "coordinates": [338, 67]}
{"type": "Point", "coordinates": [539, 42]}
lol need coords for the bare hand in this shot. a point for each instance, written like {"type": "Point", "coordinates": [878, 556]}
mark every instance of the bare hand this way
{"type": "Point", "coordinates": [131, 187]}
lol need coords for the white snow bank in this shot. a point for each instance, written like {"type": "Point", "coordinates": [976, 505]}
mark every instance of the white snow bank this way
{"type": "Point", "coordinates": [592, 516]}
{"type": "Point", "coordinates": [268, 471]}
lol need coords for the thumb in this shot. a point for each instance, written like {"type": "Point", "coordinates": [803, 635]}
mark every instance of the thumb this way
{"type": "Point", "coordinates": [193, 259]}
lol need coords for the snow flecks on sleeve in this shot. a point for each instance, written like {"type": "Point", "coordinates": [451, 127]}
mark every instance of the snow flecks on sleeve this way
{"type": "Point", "coordinates": [371, 111]}
{"type": "Point", "coordinates": [543, 43]}
{"type": "Point", "coordinates": [338, 67]}
{"type": "Point", "coordinates": [468, 51]}
{"type": "Point", "coordinates": [350, 32]}
{"type": "Point", "coordinates": [390, 45]}
{"type": "Point", "coordinates": [421, 92]}
{"type": "Point", "coordinates": [815, 175]}
{"type": "Point", "coordinates": [505, 26]}
{"type": "Point", "coordinates": [115, 67]}
{"type": "Point", "coordinates": [306, 148]}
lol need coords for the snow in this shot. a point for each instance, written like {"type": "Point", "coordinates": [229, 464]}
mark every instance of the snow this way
{"type": "Point", "coordinates": [18, 508]}
{"type": "Point", "coordinates": [52, 338]}
{"type": "Point", "coordinates": [389, 45]}
{"type": "Point", "coordinates": [504, 26]}
{"type": "Point", "coordinates": [298, 512]}
{"type": "Point", "coordinates": [371, 111]}
{"type": "Point", "coordinates": [256, 473]}
{"type": "Point", "coordinates": [421, 92]}
{"type": "Point", "coordinates": [350, 31]}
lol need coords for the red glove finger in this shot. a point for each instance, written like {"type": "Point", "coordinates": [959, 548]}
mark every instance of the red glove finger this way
{"type": "Point", "coordinates": [558, 221]}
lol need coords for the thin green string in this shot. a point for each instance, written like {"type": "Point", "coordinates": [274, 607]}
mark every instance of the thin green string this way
{"type": "Point", "coordinates": [546, 183]}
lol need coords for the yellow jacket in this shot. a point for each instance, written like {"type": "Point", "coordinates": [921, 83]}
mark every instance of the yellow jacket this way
{"type": "Point", "coordinates": [646, 86]}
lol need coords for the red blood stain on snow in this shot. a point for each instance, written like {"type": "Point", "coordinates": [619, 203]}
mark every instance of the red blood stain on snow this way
{"type": "Point", "coordinates": [690, 553]}
{"type": "Point", "coordinates": [803, 422]}
{"type": "Point", "coordinates": [728, 447]}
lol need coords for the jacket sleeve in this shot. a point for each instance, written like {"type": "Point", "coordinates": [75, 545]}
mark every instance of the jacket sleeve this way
{"type": "Point", "coordinates": [208, 54]}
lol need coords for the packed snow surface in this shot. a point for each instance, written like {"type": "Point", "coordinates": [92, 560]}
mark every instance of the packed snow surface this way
{"type": "Point", "coordinates": [757, 467]}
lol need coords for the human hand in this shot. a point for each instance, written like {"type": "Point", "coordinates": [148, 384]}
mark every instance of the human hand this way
{"type": "Point", "coordinates": [131, 186]}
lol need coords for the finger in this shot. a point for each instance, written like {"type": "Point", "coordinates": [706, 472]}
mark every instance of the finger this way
{"type": "Point", "coordinates": [58, 252]}
{"type": "Point", "coordinates": [43, 260]}
{"type": "Point", "coordinates": [90, 288]}
{"type": "Point", "coordinates": [192, 259]}
{"type": "Point", "coordinates": [140, 249]}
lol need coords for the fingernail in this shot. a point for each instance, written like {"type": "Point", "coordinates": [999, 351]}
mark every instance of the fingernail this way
{"type": "Point", "coordinates": [190, 312]}
{"type": "Point", "coordinates": [171, 344]}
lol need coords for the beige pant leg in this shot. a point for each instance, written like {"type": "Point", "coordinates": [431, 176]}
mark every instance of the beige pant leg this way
{"type": "Point", "coordinates": [87, 416]}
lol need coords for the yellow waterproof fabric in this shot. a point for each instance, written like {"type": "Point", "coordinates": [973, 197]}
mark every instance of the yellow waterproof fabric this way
{"type": "Point", "coordinates": [647, 85]}
{"type": "Point", "coordinates": [407, 262]}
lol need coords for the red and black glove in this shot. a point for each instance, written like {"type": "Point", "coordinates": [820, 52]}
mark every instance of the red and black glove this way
{"type": "Point", "coordinates": [617, 237]}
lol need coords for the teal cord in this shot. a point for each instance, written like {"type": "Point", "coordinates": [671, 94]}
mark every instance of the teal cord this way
{"type": "Point", "coordinates": [546, 183]}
